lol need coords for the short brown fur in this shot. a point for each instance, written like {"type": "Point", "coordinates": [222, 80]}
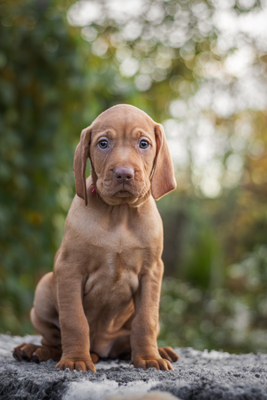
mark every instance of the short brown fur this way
{"type": "Point", "coordinates": [102, 298]}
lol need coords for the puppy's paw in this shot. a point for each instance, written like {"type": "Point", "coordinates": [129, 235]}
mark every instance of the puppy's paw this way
{"type": "Point", "coordinates": [18, 353]}
{"type": "Point", "coordinates": [158, 363]}
{"type": "Point", "coordinates": [36, 353]}
{"type": "Point", "coordinates": [80, 365]}
{"type": "Point", "coordinates": [168, 353]}
{"type": "Point", "coordinates": [31, 352]}
{"type": "Point", "coordinates": [94, 357]}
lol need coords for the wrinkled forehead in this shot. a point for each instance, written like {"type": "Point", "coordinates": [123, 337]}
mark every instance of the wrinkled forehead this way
{"type": "Point", "coordinates": [123, 119]}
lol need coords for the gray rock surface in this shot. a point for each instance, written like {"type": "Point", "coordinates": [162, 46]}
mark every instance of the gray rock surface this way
{"type": "Point", "coordinates": [197, 375]}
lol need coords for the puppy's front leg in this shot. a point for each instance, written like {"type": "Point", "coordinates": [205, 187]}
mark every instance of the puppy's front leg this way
{"type": "Point", "coordinates": [73, 323]}
{"type": "Point", "coordinates": [145, 330]}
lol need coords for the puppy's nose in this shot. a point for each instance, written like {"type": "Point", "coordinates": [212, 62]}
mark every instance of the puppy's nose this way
{"type": "Point", "coordinates": [123, 174]}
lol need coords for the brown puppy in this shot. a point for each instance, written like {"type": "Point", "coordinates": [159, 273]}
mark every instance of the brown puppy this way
{"type": "Point", "coordinates": [102, 298]}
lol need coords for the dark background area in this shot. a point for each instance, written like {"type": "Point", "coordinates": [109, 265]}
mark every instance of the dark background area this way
{"type": "Point", "coordinates": [173, 59]}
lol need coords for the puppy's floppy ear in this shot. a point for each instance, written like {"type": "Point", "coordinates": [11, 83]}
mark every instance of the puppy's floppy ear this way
{"type": "Point", "coordinates": [163, 180]}
{"type": "Point", "coordinates": [79, 165]}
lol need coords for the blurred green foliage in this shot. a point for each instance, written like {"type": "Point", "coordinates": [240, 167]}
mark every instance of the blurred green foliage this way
{"type": "Point", "coordinates": [56, 77]}
{"type": "Point", "coordinates": [232, 317]}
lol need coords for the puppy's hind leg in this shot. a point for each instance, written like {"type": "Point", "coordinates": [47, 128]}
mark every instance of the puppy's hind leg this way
{"type": "Point", "coordinates": [44, 317]}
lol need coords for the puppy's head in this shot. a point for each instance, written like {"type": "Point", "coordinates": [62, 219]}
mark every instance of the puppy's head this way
{"type": "Point", "coordinates": [129, 157]}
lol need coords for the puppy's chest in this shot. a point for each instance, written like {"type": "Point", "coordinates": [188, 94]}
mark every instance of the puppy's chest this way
{"type": "Point", "coordinates": [117, 247]}
{"type": "Point", "coordinates": [114, 263]}
{"type": "Point", "coordinates": [115, 258]}
{"type": "Point", "coordinates": [113, 282]}
{"type": "Point", "coordinates": [116, 255]}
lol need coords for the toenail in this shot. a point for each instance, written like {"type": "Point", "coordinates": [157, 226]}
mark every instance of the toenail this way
{"type": "Point", "coordinates": [15, 355]}
{"type": "Point", "coordinates": [24, 356]}
{"type": "Point", "coordinates": [35, 359]}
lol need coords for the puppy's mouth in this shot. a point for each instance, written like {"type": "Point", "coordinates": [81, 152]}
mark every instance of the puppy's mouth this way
{"type": "Point", "coordinates": [124, 190]}
{"type": "Point", "coordinates": [115, 192]}
{"type": "Point", "coordinates": [130, 194]}
{"type": "Point", "coordinates": [123, 193]}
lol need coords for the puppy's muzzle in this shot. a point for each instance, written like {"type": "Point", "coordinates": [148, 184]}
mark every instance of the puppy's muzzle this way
{"type": "Point", "coordinates": [123, 175]}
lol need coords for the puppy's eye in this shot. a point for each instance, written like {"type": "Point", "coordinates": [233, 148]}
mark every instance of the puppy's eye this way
{"type": "Point", "coordinates": [143, 144]}
{"type": "Point", "coordinates": [103, 144]}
